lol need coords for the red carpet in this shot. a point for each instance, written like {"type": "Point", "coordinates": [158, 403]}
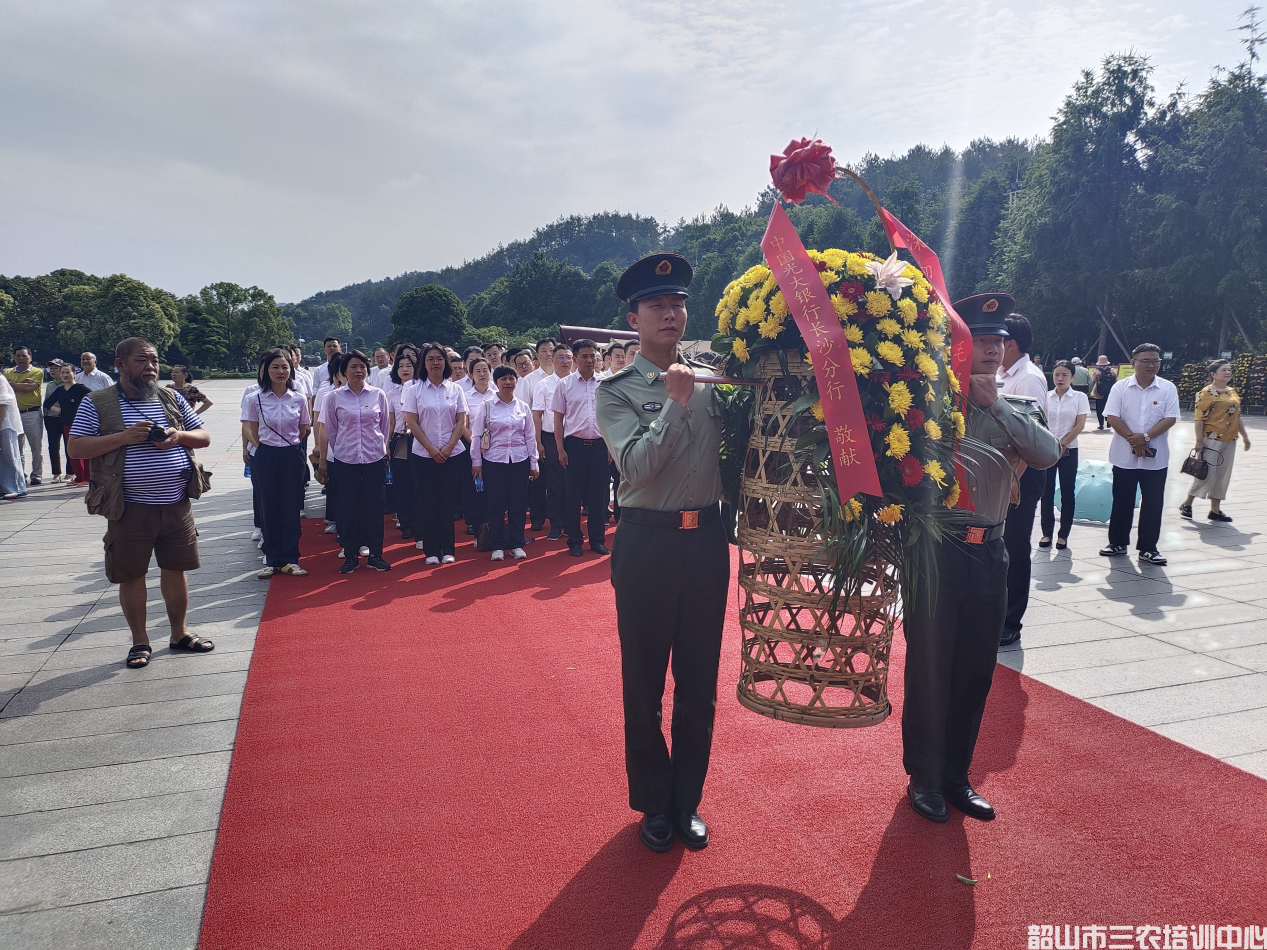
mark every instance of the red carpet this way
{"type": "Point", "coordinates": [432, 758]}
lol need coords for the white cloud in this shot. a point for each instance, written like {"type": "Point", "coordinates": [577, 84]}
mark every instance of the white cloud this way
{"type": "Point", "coordinates": [303, 145]}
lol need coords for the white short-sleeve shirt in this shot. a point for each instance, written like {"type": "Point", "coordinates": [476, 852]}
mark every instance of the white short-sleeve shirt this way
{"type": "Point", "coordinates": [574, 397]}
{"type": "Point", "coordinates": [1140, 409]}
{"type": "Point", "coordinates": [1063, 412]}
{"type": "Point", "coordinates": [437, 408]}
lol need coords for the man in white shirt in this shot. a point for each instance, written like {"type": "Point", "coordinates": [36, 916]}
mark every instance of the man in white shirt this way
{"type": "Point", "coordinates": [1140, 410]}
{"type": "Point", "coordinates": [545, 366]}
{"type": "Point", "coordinates": [92, 377]}
{"type": "Point", "coordinates": [560, 363]}
{"type": "Point", "coordinates": [582, 451]}
{"type": "Point", "coordinates": [322, 373]}
{"type": "Point", "coordinates": [382, 371]}
{"type": "Point", "coordinates": [1018, 376]}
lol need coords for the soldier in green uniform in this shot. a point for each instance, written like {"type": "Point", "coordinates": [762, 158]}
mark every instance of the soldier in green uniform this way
{"type": "Point", "coordinates": [670, 560]}
{"type": "Point", "coordinates": [952, 633]}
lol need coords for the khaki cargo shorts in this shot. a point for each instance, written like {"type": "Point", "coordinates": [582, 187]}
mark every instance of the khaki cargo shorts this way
{"type": "Point", "coordinates": [166, 531]}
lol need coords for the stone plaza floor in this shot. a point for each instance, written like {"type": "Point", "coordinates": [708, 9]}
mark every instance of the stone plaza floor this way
{"type": "Point", "coordinates": [111, 780]}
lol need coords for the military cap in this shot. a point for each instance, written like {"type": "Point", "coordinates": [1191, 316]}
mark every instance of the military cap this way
{"type": "Point", "coordinates": [984, 313]}
{"type": "Point", "coordinates": [654, 274]}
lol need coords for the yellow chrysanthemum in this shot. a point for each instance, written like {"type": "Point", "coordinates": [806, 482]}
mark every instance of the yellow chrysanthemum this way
{"type": "Point", "coordinates": [909, 310]}
{"type": "Point", "coordinates": [834, 258]}
{"type": "Point", "coordinates": [740, 349]}
{"type": "Point", "coordinates": [934, 471]}
{"type": "Point", "coordinates": [778, 306]}
{"type": "Point", "coordinates": [912, 272]}
{"type": "Point", "coordinates": [753, 313]}
{"type": "Point", "coordinates": [770, 327]}
{"type": "Point", "coordinates": [888, 326]}
{"type": "Point", "coordinates": [953, 498]}
{"type": "Point", "coordinates": [878, 303]}
{"type": "Point", "coordinates": [898, 441]}
{"type": "Point", "coordinates": [852, 509]}
{"type": "Point", "coordinates": [936, 315]}
{"type": "Point", "coordinates": [769, 287]}
{"type": "Point", "coordinates": [862, 361]}
{"type": "Point", "coordinates": [913, 338]}
{"type": "Point", "coordinates": [920, 291]}
{"type": "Point", "coordinates": [844, 307]}
{"type": "Point", "coordinates": [926, 365]}
{"type": "Point", "coordinates": [956, 419]}
{"type": "Point", "coordinates": [954, 382]}
{"type": "Point", "coordinates": [932, 430]}
{"type": "Point", "coordinates": [936, 339]}
{"type": "Point", "coordinates": [723, 322]}
{"type": "Point", "coordinates": [809, 358]}
{"type": "Point", "coordinates": [890, 352]}
{"type": "Point", "coordinates": [754, 275]}
{"type": "Point", "coordinates": [733, 295]}
{"type": "Point", "coordinates": [828, 277]}
{"type": "Point", "coordinates": [817, 409]}
{"type": "Point", "coordinates": [889, 514]}
{"type": "Point", "coordinates": [853, 334]}
{"type": "Point", "coordinates": [900, 398]}
{"type": "Point", "coordinates": [856, 266]}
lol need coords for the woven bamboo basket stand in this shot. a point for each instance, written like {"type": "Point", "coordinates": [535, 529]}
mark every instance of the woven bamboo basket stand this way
{"type": "Point", "coordinates": [804, 661]}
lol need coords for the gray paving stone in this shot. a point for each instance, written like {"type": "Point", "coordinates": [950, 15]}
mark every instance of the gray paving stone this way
{"type": "Point", "coordinates": [1229, 734]}
{"type": "Point", "coordinates": [80, 752]}
{"type": "Point", "coordinates": [61, 880]}
{"type": "Point", "coordinates": [164, 664]}
{"type": "Point", "coordinates": [111, 783]}
{"type": "Point", "coordinates": [1250, 657]}
{"type": "Point", "coordinates": [1145, 604]}
{"type": "Point", "coordinates": [1145, 674]}
{"type": "Point", "coordinates": [118, 719]}
{"type": "Point", "coordinates": [1217, 637]}
{"type": "Point", "coordinates": [106, 695]}
{"type": "Point", "coordinates": [162, 920]}
{"type": "Point", "coordinates": [227, 640]}
{"type": "Point", "coordinates": [1255, 762]}
{"type": "Point", "coordinates": [1168, 621]}
{"type": "Point", "coordinates": [1039, 660]}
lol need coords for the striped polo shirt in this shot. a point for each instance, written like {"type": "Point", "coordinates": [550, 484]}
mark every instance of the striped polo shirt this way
{"type": "Point", "coordinates": [150, 476]}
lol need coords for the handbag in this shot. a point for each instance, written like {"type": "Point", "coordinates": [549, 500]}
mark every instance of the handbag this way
{"type": "Point", "coordinates": [1195, 466]}
{"type": "Point", "coordinates": [481, 539]}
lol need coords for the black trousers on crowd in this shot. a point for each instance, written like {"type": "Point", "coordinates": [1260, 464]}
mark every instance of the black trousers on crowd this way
{"type": "Point", "coordinates": [436, 493]}
{"type": "Point", "coordinates": [257, 505]}
{"type": "Point", "coordinates": [1152, 488]}
{"type": "Point", "coordinates": [279, 474]}
{"type": "Point", "coordinates": [506, 493]}
{"type": "Point", "coordinates": [1066, 470]}
{"type": "Point", "coordinates": [537, 497]}
{"type": "Point", "coordinates": [469, 507]}
{"type": "Point", "coordinates": [952, 642]}
{"type": "Point", "coordinates": [53, 429]}
{"type": "Point", "coordinates": [1099, 408]}
{"type": "Point", "coordinates": [403, 483]}
{"type": "Point", "coordinates": [1017, 535]}
{"type": "Point", "coordinates": [360, 514]}
{"type": "Point", "coordinates": [671, 587]}
{"type": "Point", "coordinates": [551, 481]}
{"type": "Point", "coordinates": [585, 483]}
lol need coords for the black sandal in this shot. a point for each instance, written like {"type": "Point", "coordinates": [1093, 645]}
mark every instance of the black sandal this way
{"type": "Point", "coordinates": [1044, 542]}
{"type": "Point", "coordinates": [192, 644]}
{"type": "Point", "coordinates": [1061, 543]}
{"type": "Point", "coordinates": [138, 656]}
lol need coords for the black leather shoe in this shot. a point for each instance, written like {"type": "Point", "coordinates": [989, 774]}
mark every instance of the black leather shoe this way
{"type": "Point", "coordinates": [692, 830]}
{"type": "Point", "coordinates": [965, 798]}
{"type": "Point", "coordinates": [535, 527]}
{"type": "Point", "coordinates": [928, 803]}
{"type": "Point", "coordinates": [555, 534]}
{"type": "Point", "coordinates": [1009, 637]}
{"type": "Point", "coordinates": [656, 832]}
{"type": "Point", "coordinates": [575, 550]}
{"type": "Point", "coordinates": [599, 549]}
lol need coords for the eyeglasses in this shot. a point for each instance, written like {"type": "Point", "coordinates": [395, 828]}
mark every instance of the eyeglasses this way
{"type": "Point", "coordinates": [1139, 362]}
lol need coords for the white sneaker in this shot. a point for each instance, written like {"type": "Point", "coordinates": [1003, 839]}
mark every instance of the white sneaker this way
{"type": "Point", "coordinates": [433, 560]}
{"type": "Point", "coordinates": [447, 559]}
{"type": "Point", "coordinates": [259, 545]}
{"type": "Point", "coordinates": [518, 553]}
{"type": "Point", "coordinates": [341, 554]}
{"type": "Point", "coordinates": [331, 528]}
{"type": "Point", "coordinates": [257, 534]}
{"type": "Point", "coordinates": [266, 573]}
{"type": "Point", "coordinates": [294, 570]}
{"type": "Point", "coordinates": [499, 555]}
{"type": "Point", "coordinates": [364, 551]}
{"type": "Point", "coordinates": [420, 546]}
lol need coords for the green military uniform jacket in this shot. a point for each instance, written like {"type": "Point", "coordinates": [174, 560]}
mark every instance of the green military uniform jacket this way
{"type": "Point", "coordinates": [1014, 427]}
{"type": "Point", "coordinates": [668, 456]}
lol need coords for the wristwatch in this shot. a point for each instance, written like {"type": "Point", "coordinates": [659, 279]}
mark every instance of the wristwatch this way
{"type": "Point", "coordinates": [1147, 438]}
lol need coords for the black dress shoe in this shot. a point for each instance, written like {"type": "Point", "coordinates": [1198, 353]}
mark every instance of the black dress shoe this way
{"type": "Point", "coordinates": [599, 549]}
{"type": "Point", "coordinates": [575, 550]}
{"type": "Point", "coordinates": [535, 527]}
{"type": "Point", "coordinates": [965, 798]}
{"type": "Point", "coordinates": [1009, 637]}
{"type": "Point", "coordinates": [928, 803]}
{"type": "Point", "coordinates": [555, 534]}
{"type": "Point", "coordinates": [692, 830]}
{"type": "Point", "coordinates": [656, 832]}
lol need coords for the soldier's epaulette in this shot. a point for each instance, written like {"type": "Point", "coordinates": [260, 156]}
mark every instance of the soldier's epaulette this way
{"type": "Point", "coordinates": [1027, 405]}
{"type": "Point", "coordinates": [625, 371]}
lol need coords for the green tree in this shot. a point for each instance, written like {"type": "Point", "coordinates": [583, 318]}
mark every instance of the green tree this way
{"type": "Point", "coordinates": [249, 319]}
{"type": "Point", "coordinates": [537, 292]}
{"type": "Point", "coordinates": [429, 314]}
{"type": "Point", "coordinates": [201, 336]}
{"type": "Point", "coordinates": [126, 307]}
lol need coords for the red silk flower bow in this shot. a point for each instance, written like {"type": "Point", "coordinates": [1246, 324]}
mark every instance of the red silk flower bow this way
{"type": "Point", "coordinates": [803, 167]}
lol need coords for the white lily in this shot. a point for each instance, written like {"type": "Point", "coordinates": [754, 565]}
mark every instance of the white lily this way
{"type": "Point", "coordinates": [888, 276]}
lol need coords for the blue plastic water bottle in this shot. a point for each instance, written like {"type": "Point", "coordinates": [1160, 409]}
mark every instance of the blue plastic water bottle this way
{"type": "Point", "coordinates": [247, 471]}
{"type": "Point", "coordinates": [389, 473]}
{"type": "Point", "coordinates": [479, 483]}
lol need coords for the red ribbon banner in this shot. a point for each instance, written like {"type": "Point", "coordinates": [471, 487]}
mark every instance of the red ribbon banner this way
{"type": "Point", "coordinates": [960, 335]}
{"type": "Point", "coordinates": [810, 305]}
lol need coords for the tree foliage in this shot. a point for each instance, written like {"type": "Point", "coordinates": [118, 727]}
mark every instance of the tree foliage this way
{"type": "Point", "coordinates": [429, 314]}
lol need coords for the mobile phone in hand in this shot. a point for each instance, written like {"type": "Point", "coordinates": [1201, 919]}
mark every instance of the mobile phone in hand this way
{"type": "Point", "coordinates": [1150, 452]}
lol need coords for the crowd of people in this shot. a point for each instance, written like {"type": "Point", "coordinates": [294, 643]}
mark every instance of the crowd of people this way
{"type": "Point", "coordinates": [501, 441]}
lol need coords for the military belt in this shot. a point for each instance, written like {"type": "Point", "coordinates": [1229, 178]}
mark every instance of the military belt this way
{"type": "Point", "coordinates": [682, 520]}
{"type": "Point", "coordinates": [976, 534]}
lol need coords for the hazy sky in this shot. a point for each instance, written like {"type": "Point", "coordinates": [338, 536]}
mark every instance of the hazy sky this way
{"type": "Point", "coordinates": [301, 146]}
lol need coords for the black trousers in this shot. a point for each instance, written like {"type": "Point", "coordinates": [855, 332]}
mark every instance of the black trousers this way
{"type": "Point", "coordinates": [671, 588]}
{"type": "Point", "coordinates": [537, 496]}
{"type": "Point", "coordinates": [360, 514]}
{"type": "Point", "coordinates": [1152, 488]}
{"type": "Point", "coordinates": [614, 472]}
{"type": "Point", "coordinates": [1099, 408]}
{"type": "Point", "coordinates": [952, 642]}
{"type": "Point", "coordinates": [552, 477]}
{"type": "Point", "coordinates": [1017, 535]}
{"type": "Point", "coordinates": [469, 506]}
{"type": "Point", "coordinates": [585, 484]}
{"type": "Point", "coordinates": [506, 491]}
{"type": "Point", "coordinates": [53, 430]}
{"type": "Point", "coordinates": [257, 505]}
{"type": "Point", "coordinates": [436, 493]}
{"type": "Point", "coordinates": [279, 473]}
{"type": "Point", "coordinates": [403, 485]}
{"type": "Point", "coordinates": [1066, 469]}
